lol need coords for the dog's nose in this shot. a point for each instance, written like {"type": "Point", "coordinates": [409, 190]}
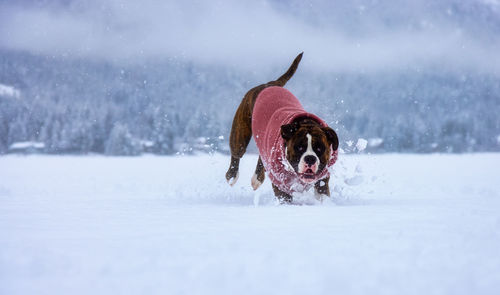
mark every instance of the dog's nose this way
{"type": "Point", "coordinates": [310, 160]}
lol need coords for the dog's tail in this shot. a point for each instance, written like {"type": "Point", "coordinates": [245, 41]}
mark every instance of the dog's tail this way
{"type": "Point", "coordinates": [291, 70]}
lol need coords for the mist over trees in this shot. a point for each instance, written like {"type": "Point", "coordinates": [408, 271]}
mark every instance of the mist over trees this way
{"type": "Point", "coordinates": [169, 106]}
{"type": "Point", "coordinates": [124, 77]}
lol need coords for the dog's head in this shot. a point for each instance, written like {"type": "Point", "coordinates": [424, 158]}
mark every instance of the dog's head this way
{"type": "Point", "coordinates": [308, 147]}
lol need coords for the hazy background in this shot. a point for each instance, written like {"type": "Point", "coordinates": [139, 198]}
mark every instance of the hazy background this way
{"type": "Point", "coordinates": [126, 77]}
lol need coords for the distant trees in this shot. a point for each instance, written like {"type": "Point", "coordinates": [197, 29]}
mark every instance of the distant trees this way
{"type": "Point", "coordinates": [122, 143]}
{"type": "Point", "coordinates": [163, 133]}
{"type": "Point", "coordinates": [83, 106]}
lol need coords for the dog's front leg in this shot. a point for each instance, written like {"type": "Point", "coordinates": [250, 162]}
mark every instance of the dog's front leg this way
{"type": "Point", "coordinates": [322, 189]}
{"type": "Point", "coordinates": [283, 197]}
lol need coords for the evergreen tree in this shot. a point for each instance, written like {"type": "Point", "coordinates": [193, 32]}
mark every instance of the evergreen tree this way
{"type": "Point", "coordinates": [122, 143]}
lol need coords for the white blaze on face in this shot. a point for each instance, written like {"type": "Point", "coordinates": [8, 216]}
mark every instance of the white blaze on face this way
{"type": "Point", "coordinates": [304, 167]}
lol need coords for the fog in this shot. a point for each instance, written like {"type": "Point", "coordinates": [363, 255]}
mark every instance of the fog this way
{"type": "Point", "coordinates": [126, 77]}
{"type": "Point", "coordinates": [336, 35]}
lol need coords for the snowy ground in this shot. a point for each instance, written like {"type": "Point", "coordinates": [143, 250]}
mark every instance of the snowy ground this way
{"type": "Point", "coordinates": [406, 224]}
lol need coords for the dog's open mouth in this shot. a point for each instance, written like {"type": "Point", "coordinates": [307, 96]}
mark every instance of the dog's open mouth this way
{"type": "Point", "coordinates": [308, 174]}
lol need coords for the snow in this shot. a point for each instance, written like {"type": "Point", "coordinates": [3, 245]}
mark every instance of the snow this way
{"type": "Point", "coordinates": [355, 180]}
{"type": "Point", "coordinates": [6, 90]}
{"type": "Point", "coordinates": [23, 145]}
{"type": "Point", "coordinates": [147, 143]}
{"type": "Point", "coordinates": [375, 142]}
{"type": "Point", "coordinates": [417, 224]}
{"type": "Point", "coordinates": [361, 144]}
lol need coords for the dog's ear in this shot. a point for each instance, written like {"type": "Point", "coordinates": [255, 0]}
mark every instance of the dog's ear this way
{"type": "Point", "coordinates": [288, 130]}
{"type": "Point", "coordinates": [332, 137]}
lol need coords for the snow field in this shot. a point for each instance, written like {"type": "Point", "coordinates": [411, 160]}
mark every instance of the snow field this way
{"type": "Point", "coordinates": [399, 224]}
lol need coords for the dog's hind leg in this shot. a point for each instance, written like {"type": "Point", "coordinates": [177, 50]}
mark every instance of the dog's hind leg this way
{"type": "Point", "coordinates": [259, 175]}
{"type": "Point", "coordinates": [241, 133]}
{"type": "Point", "coordinates": [232, 173]}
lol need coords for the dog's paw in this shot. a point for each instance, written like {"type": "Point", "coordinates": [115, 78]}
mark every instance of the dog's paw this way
{"type": "Point", "coordinates": [255, 182]}
{"type": "Point", "coordinates": [319, 197]}
{"type": "Point", "coordinates": [234, 179]}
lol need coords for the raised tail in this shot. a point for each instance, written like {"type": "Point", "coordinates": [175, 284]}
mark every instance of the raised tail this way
{"type": "Point", "coordinates": [281, 81]}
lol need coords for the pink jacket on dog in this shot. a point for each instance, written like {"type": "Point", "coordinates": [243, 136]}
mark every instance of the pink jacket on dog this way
{"type": "Point", "coordinates": [275, 106]}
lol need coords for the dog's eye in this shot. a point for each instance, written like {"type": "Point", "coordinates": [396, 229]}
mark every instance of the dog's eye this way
{"type": "Point", "coordinates": [299, 148]}
{"type": "Point", "coordinates": [319, 149]}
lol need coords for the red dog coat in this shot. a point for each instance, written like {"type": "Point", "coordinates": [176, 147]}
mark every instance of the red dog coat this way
{"type": "Point", "coordinates": [275, 106]}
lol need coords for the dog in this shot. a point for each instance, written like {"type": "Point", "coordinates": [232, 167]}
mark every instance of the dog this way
{"type": "Point", "coordinates": [296, 148]}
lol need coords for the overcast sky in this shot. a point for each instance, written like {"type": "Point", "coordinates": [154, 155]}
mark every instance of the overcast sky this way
{"type": "Point", "coordinates": [336, 35]}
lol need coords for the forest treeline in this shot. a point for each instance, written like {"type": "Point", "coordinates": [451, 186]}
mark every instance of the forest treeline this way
{"type": "Point", "coordinates": [164, 107]}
